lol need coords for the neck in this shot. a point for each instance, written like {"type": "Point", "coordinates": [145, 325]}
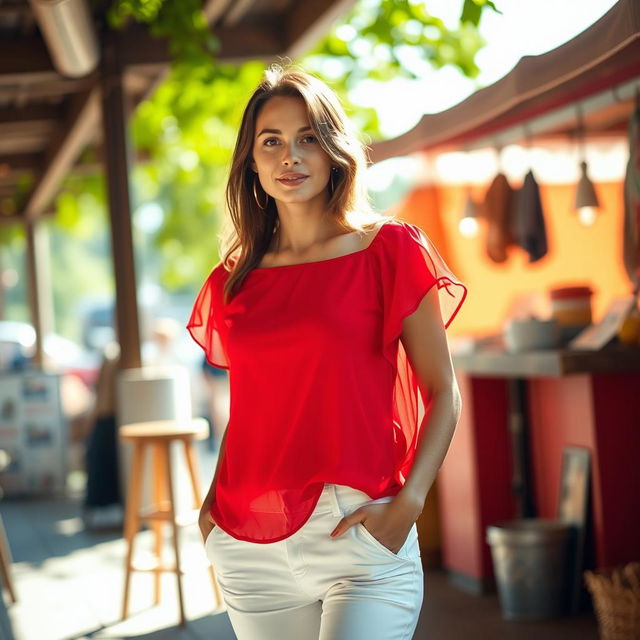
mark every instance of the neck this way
{"type": "Point", "coordinates": [303, 225]}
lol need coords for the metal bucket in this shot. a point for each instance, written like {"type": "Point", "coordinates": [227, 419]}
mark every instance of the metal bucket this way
{"type": "Point", "coordinates": [531, 562]}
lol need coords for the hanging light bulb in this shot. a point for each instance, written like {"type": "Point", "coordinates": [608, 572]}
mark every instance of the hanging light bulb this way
{"type": "Point", "coordinates": [586, 198]}
{"type": "Point", "coordinates": [586, 202]}
{"type": "Point", "coordinates": [468, 225]}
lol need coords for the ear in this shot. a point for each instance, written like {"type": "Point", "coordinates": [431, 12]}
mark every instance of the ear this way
{"type": "Point", "coordinates": [253, 166]}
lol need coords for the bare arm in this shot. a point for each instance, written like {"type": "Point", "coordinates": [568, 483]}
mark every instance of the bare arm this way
{"type": "Point", "coordinates": [424, 339]}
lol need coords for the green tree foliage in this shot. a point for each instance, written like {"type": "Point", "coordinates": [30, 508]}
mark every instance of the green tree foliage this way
{"type": "Point", "coordinates": [384, 39]}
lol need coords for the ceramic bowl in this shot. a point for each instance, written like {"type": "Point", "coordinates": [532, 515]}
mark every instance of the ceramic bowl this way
{"type": "Point", "coordinates": [531, 334]}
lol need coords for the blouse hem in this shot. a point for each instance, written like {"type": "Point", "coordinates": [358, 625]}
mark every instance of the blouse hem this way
{"type": "Point", "coordinates": [418, 299]}
{"type": "Point", "coordinates": [454, 313]}
{"type": "Point", "coordinates": [306, 518]}
{"type": "Point", "coordinates": [204, 348]}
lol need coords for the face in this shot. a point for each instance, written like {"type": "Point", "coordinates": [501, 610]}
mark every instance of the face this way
{"type": "Point", "coordinates": [284, 143]}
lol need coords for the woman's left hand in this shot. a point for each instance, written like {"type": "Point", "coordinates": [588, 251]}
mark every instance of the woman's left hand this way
{"type": "Point", "coordinates": [388, 522]}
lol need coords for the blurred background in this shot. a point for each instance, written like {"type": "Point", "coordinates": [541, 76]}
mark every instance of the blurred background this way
{"type": "Point", "coordinates": [507, 131]}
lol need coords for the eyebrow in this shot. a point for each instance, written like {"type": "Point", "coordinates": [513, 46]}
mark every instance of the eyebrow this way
{"type": "Point", "coordinates": [300, 130]}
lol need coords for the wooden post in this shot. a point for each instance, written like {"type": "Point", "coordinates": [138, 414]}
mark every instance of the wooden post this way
{"type": "Point", "coordinates": [3, 304]}
{"type": "Point", "coordinates": [117, 160]}
{"type": "Point", "coordinates": [39, 285]}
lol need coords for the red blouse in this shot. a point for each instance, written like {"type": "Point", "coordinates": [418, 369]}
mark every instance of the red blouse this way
{"type": "Point", "coordinates": [321, 387]}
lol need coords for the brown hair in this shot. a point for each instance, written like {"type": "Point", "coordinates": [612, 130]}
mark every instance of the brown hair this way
{"type": "Point", "coordinates": [250, 228]}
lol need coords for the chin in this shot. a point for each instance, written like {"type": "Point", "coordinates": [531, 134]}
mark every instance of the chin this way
{"type": "Point", "coordinates": [289, 198]}
{"type": "Point", "coordinates": [297, 197]}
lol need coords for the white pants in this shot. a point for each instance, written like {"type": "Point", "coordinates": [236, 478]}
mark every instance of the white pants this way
{"type": "Point", "coordinates": [310, 586]}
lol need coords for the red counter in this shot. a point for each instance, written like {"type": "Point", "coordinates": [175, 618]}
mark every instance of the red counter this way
{"type": "Point", "coordinates": [587, 399]}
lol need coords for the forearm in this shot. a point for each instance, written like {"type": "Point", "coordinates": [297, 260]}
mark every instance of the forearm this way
{"type": "Point", "coordinates": [436, 432]}
{"type": "Point", "coordinates": [210, 497]}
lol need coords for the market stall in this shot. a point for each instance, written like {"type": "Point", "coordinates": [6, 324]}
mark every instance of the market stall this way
{"type": "Point", "coordinates": [564, 380]}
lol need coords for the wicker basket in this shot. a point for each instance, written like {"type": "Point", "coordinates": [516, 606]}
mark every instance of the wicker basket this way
{"type": "Point", "coordinates": [616, 600]}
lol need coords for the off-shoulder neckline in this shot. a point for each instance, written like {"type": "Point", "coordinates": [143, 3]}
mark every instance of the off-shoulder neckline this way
{"type": "Point", "coordinates": [334, 259]}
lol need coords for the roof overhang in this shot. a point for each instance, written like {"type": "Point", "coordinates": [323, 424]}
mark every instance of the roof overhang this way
{"type": "Point", "coordinates": [599, 69]}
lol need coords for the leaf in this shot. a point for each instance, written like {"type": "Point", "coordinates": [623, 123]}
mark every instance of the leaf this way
{"type": "Point", "coordinates": [471, 12]}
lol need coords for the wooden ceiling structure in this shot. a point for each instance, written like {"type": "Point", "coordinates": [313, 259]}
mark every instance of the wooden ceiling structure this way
{"type": "Point", "coordinates": [47, 119]}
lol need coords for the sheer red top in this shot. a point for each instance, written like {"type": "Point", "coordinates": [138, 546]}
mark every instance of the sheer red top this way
{"type": "Point", "coordinates": [321, 387]}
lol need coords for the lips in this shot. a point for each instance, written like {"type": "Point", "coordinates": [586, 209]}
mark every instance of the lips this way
{"type": "Point", "coordinates": [292, 179]}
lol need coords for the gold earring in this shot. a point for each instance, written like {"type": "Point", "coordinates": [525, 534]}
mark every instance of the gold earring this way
{"type": "Point", "coordinates": [255, 195]}
{"type": "Point", "coordinates": [333, 170]}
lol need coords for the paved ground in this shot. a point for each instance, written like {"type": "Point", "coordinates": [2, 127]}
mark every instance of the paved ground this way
{"type": "Point", "coordinates": [69, 582]}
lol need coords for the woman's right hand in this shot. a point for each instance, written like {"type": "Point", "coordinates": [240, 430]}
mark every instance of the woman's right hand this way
{"type": "Point", "coordinates": [206, 523]}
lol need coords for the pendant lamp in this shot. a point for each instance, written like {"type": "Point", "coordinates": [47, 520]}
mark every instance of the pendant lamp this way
{"type": "Point", "coordinates": [586, 202]}
{"type": "Point", "coordinates": [468, 225]}
{"type": "Point", "coordinates": [586, 198]}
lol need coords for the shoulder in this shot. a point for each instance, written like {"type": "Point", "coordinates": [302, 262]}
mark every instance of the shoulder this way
{"type": "Point", "coordinates": [398, 234]}
{"type": "Point", "coordinates": [215, 281]}
{"type": "Point", "coordinates": [219, 273]}
{"type": "Point", "coordinates": [397, 227]}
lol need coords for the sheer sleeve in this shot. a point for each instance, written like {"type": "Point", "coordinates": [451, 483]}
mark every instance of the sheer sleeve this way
{"type": "Point", "coordinates": [411, 267]}
{"type": "Point", "coordinates": [206, 324]}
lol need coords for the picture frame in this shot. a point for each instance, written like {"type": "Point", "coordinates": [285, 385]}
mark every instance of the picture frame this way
{"type": "Point", "coordinates": [573, 508]}
{"type": "Point", "coordinates": [597, 336]}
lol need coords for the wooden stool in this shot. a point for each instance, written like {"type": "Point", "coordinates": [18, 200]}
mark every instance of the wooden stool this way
{"type": "Point", "coordinates": [5, 551]}
{"type": "Point", "coordinates": [158, 435]}
{"type": "Point", "coordinates": [5, 564]}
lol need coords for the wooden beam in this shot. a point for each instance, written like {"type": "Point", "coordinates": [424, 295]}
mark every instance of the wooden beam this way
{"type": "Point", "coordinates": [27, 142]}
{"type": "Point", "coordinates": [30, 113]}
{"type": "Point", "coordinates": [308, 21]}
{"type": "Point", "coordinates": [14, 218]}
{"type": "Point", "coordinates": [23, 57]}
{"type": "Point", "coordinates": [20, 135]}
{"type": "Point", "coordinates": [213, 10]}
{"type": "Point", "coordinates": [35, 88]}
{"type": "Point", "coordinates": [27, 59]}
{"type": "Point", "coordinates": [238, 10]}
{"type": "Point", "coordinates": [20, 162]}
{"type": "Point", "coordinates": [237, 44]}
{"type": "Point", "coordinates": [59, 158]}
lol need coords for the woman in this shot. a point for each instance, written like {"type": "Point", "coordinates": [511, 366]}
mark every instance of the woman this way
{"type": "Point", "coordinates": [326, 317]}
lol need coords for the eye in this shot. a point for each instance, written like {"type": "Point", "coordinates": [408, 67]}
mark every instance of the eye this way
{"type": "Point", "coordinates": [310, 137]}
{"type": "Point", "coordinates": [268, 140]}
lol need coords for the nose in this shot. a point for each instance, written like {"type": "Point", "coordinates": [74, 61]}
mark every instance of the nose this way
{"type": "Point", "coordinates": [291, 154]}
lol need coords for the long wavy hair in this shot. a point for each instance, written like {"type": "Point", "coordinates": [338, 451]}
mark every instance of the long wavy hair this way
{"type": "Point", "coordinates": [248, 229]}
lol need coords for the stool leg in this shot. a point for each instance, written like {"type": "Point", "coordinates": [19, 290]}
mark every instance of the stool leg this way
{"type": "Point", "coordinates": [132, 521]}
{"type": "Point", "coordinates": [159, 497]}
{"type": "Point", "coordinates": [174, 526]}
{"type": "Point", "coordinates": [5, 563]}
{"type": "Point", "coordinates": [192, 464]}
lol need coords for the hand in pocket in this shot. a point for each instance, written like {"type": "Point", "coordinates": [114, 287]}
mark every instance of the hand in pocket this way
{"type": "Point", "coordinates": [206, 524]}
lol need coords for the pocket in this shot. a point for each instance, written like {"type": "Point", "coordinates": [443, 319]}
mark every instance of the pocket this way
{"type": "Point", "coordinates": [402, 552]}
{"type": "Point", "coordinates": [206, 542]}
